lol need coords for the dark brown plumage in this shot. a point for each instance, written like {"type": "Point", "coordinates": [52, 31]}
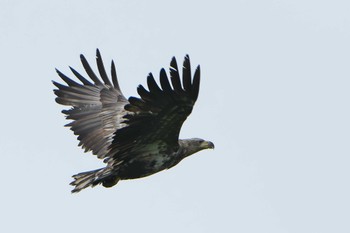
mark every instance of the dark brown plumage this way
{"type": "Point", "coordinates": [136, 137]}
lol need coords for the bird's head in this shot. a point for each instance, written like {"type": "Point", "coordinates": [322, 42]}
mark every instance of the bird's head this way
{"type": "Point", "coordinates": [193, 145]}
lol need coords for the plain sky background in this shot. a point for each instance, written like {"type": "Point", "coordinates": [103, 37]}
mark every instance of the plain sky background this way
{"type": "Point", "coordinates": [274, 99]}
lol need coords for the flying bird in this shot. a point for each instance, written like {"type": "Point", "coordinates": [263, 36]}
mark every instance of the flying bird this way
{"type": "Point", "coordinates": [135, 137]}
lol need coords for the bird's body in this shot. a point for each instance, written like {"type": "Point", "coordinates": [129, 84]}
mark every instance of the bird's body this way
{"type": "Point", "coordinates": [136, 137]}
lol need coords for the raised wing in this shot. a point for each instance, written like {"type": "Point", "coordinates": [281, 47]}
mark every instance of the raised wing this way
{"type": "Point", "coordinates": [157, 116]}
{"type": "Point", "coordinates": [97, 108]}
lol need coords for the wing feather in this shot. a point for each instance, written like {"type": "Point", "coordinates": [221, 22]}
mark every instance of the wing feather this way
{"type": "Point", "coordinates": [164, 82]}
{"type": "Point", "coordinates": [152, 85]}
{"type": "Point", "coordinates": [144, 94]}
{"type": "Point", "coordinates": [196, 83]}
{"type": "Point", "coordinates": [89, 71]}
{"type": "Point", "coordinates": [101, 68]}
{"type": "Point", "coordinates": [80, 77]}
{"type": "Point", "coordinates": [69, 81]}
{"type": "Point", "coordinates": [186, 74]}
{"type": "Point", "coordinates": [174, 76]}
{"type": "Point", "coordinates": [114, 77]}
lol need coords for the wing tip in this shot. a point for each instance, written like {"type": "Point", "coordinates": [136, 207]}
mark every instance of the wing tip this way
{"type": "Point", "coordinates": [98, 54]}
{"type": "Point", "coordinates": [173, 64]}
{"type": "Point", "coordinates": [58, 72]}
{"type": "Point", "coordinates": [82, 57]}
{"type": "Point", "coordinates": [187, 59]}
{"type": "Point", "coordinates": [198, 68]}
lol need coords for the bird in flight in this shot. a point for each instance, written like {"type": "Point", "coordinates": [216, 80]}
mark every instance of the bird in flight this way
{"type": "Point", "coordinates": [135, 137]}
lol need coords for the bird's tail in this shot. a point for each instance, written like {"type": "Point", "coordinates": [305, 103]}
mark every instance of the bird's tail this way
{"type": "Point", "coordinates": [105, 176]}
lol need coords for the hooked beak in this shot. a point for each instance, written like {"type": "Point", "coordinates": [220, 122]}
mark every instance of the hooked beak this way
{"type": "Point", "coordinates": [208, 145]}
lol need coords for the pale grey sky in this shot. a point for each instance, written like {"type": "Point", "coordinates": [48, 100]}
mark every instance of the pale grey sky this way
{"type": "Point", "coordinates": [274, 99]}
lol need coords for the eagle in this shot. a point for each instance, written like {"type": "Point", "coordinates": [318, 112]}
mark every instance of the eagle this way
{"type": "Point", "coordinates": [135, 137]}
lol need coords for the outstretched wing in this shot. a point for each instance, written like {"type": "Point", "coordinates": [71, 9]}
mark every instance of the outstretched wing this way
{"type": "Point", "coordinates": [97, 108]}
{"type": "Point", "coordinates": [157, 116]}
